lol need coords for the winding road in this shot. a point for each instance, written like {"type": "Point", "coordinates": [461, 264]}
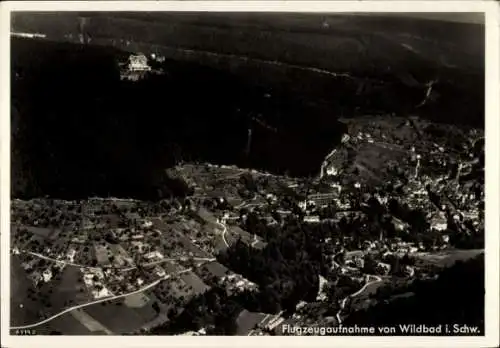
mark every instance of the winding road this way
{"type": "Point", "coordinates": [156, 282]}
{"type": "Point", "coordinates": [343, 302]}
{"type": "Point", "coordinates": [224, 232]}
{"type": "Point", "coordinates": [124, 269]}
{"type": "Point", "coordinates": [58, 261]}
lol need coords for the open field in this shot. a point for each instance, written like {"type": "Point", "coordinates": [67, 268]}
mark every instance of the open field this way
{"type": "Point", "coordinates": [68, 291]}
{"type": "Point", "coordinates": [89, 322]}
{"type": "Point", "coordinates": [215, 269]}
{"type": "Point", "coordinates": [449, 257]}
{"type": "Point", "coordinates": [116, 316]}
{"type": "Point", "coordinates": [246, 321]}
{"type": "Point", "coordinates": [136, 300]}
{"type": "Point", "coordinates": [66, 324]}
{"type": "Point", "coordinates": [22, 309]}
{"type": "Point", "coordinates": [182, 286]}
{"type": "Point", "coordinates": [194, 281]}
{"type": "Point", "coordinates": [40, 231]}
{"type": "Point", "coordinates": [146, 311]}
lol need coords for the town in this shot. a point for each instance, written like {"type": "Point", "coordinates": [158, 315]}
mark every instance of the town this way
{"type": "Point", "coordinates": [350, 231]}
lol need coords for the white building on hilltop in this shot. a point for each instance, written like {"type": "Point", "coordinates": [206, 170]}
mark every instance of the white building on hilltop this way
{"type": "Point", "coordinates": [136, 67]}
{"type": "Point", "coordinates": [138, 63]}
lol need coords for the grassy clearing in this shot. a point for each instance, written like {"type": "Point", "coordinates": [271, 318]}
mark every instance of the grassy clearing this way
{"type": "Point", "coordinates": [448, 258]}
{"type": "Point", "coordinates": [23, 310]}
{"type": "Point", "coordinates": [246, 321]}
{"type": "Point", "coordinates": [66, 324]}
{"type": "Point", "coordinates": [64, 290]}
{"type": "Point", "coordinates": [216, 269]}
{"type": "Point", "coordinates": [193, 280]}
{"type": "Point", "coordinates": [116, 316]}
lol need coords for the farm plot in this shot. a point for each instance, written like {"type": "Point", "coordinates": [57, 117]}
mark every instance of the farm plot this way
{"type": "Point", "coordinates": [447, 258]}
{"type": "Point", "coordinates": [66, 324]}
{"type": "Point", "coordinates": [24, 309]}
{"type": "Point", "coordinates": [116, 316]}
{"type": "Point", "coordinates": [247, 321]}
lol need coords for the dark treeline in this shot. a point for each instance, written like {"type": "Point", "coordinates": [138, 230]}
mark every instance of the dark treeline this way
{"type": "Point", "coordinates": [443, 301]}
{"type": "Point", "coordinates": [80, 131]}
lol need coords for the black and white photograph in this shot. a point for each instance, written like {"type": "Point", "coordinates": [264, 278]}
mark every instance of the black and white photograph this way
{"type": "Point", "coordinates": [246, 173]}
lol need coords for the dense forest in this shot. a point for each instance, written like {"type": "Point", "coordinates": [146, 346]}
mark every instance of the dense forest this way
{"type": "Point", "coordinates": [92, 134]}
{"type": "Point", "coordinates": [286, 270]}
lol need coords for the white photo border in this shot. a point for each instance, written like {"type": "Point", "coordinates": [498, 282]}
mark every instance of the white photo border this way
{"type": "Point", "coordinates": [491, 11]}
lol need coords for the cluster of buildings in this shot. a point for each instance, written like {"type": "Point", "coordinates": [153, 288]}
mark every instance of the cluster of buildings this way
{"type": "Point", "coordinates": [40, 270]}
{"type": "Point", "coordinates": [95, 281]}
{"type": "Point", "coordinates": [39, 275]}
{"type": "Point", "coordinates": [235, 282]}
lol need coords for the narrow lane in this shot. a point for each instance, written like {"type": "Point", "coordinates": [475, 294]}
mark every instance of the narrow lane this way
{"type": "Point", "coordinates": [357, 293]}
{"type": "Point", "coordinates": [156, 282]}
